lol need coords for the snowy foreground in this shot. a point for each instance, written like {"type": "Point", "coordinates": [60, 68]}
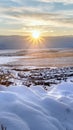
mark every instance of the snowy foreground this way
{"type": "Point", "coordinates": [36, 98]}
{"type": "Point", "coordinates": [33, 108]}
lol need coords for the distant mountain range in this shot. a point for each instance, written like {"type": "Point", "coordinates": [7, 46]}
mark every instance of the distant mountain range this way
{"type": "Point", "coordinates": [21, 42]}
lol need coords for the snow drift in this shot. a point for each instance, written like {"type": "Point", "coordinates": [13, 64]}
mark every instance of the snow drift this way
{"type": "Point", "coordinates": [33, 108]}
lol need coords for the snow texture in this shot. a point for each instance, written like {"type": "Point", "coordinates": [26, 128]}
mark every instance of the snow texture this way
{"type": "Point", "coordinates": [34, 108]}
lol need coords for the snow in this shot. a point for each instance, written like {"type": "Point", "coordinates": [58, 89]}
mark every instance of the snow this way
{"type": "Point", "coordinates": [5, 60]}
{"type": "Point", "coordinates": [11, 59]}
{"type": "Point", "coordinates": [34, 108]}
{"type": "Point", "coordinates": [25, 104]}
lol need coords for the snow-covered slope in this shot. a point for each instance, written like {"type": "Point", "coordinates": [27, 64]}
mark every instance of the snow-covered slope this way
{"type": "Point", "coordinates": [34, 108]}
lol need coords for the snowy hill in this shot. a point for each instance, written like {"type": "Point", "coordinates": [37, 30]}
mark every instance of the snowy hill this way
{"type": "Point", "coordinates": [35, 94]}
{"type": "Point", "coordinates": [34, 108]}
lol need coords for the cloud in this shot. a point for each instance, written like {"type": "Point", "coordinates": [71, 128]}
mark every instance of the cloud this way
{"type": "Point", "coordinates": [58, 1]}
{"type": "Point", "coordinates": [45, 1]}
{"type": "Point", "coordinates": [46, 15]}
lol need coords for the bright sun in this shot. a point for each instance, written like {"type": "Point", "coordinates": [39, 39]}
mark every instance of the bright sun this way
{"type": "Point", "coordinates": [36, 34]}
{"type": "Point", "coordinates": [35, 38]}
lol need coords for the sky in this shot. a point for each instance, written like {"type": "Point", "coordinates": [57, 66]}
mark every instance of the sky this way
{"type": "Point", "coordinates": [51, 17]}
